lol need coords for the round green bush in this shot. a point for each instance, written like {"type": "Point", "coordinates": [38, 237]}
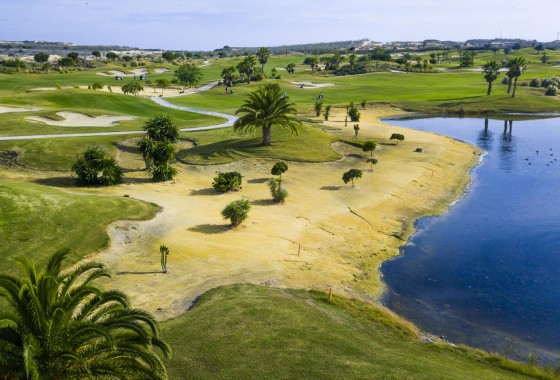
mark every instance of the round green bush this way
{"type": "Point", "coordinates": [227, 181]}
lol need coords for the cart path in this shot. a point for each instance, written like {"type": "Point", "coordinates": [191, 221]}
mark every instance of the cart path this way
{"type": "Point", "coordinates": [230, 119]}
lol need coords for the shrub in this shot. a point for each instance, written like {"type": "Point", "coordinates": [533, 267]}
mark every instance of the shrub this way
{"type": "Point", "coordinates": [279, 194]}
{"type": "Point", "coordinates": [318, 107]}
{"type": "Point", "coordinates": [237, 211]}
{"type": "Point", "coordinates": [535, 83]}
{"type": "Point", "coordinates": [551, 90]}
{"type": "Point", "coordinates": [227, 181]}
{"type": "Point", "coordinates": [97, 86]}
{"type": "Point", "coordinates": [418, 150]}
{"type": "Point", "coordinates": [353, 112]}
{"type": "Point", "coordinates": [95, 168]}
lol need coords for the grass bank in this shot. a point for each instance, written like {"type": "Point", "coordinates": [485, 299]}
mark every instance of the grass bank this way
{"type": "Point", "coordinates": [252, 332]}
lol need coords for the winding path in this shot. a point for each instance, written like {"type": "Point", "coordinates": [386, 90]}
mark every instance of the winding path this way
{"type": "Point", "coordinates": [230, 119]}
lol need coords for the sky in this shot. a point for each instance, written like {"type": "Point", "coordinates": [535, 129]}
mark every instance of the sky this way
{"type": "Point", "coordinates": [212, 24]}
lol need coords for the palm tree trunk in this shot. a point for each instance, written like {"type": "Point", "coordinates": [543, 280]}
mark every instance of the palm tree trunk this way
{"type": "Point", "coordinates": [489, 88]}
{"type": "Point", "coordinates": [509, 86]}
{"type": "Point", "coordinates": [266, 138]}
{"type": "Point", "coordinates": [262, 68]}
{"type": "Point", "coordinates": [514, 87]}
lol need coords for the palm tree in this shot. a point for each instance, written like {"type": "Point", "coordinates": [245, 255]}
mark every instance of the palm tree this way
{"type": "Point", "coordinates": [60, 325]}
{"type": "Point", "coordinates": [263, 54]}
{"type": "Point", "coordinates": [290, 68]}
{"type": "Point", "coordinates": [490, 70]}
{"type": "Point", "coordinates": [265, 108]}
{"type": "Point", "coordinates": [517, 66]}
{"type": "Point", "coordinates": [228, 75]}
{"type": "Point", "coordinates": [158, 147]}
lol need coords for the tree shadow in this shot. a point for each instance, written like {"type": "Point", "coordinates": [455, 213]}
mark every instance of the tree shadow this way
{"type": "Point", "coordinates": [354, 155]}
{"type": "Point", "coordinates": [137, 180]}
{"type": "Point", "coordinates": [127, 148]}
{"type": "Point", "coordinates": [258, 180]}
{"type": "Point", "coordinates": [229, 150]}
{"type": "Point", "coordinates": [57, 181]}
{"type": "Point", "coordinates": [207, 191]}
{"type": "Point", "coordinates": [263, 202]}
{"type": "Point", "coordinates": [147, 272]}
{"type": "Point", "coordinates": [211, 229]}
{"type": "Point", "coordinates": [331, 188]}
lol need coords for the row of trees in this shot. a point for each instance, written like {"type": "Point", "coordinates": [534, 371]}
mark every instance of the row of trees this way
{"type": "Point", "coordinates": [516, 67]}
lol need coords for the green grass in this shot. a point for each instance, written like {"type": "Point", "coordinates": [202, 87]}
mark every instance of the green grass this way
{"type": "Point", "coordinates": [252, 332]}
{"type": "Point", "coordinates": [37, 220]}
{"type": "Point", "coordinates": [58, 154]}
{"type": "Point", "coordinates": [223, 146]}
{"type": "Point", "coordinates": [92, 103]}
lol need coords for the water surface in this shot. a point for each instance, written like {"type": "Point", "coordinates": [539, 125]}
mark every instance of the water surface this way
{"type": "Point", "coordinates": [487, 273]}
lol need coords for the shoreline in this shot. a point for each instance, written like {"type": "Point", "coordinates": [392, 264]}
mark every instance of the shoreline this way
{"type": "Point", "coordinates": [345, 233]}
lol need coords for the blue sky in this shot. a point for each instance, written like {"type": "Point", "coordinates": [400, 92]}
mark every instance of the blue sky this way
{"type": "Point", "coordinates": [210, 24]}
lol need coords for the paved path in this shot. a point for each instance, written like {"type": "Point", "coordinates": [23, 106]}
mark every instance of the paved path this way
{"type": "Point", "coordinates": [162, 102]}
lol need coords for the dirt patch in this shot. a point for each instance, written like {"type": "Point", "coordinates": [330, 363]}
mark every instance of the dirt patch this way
{"type": "Point", "coordinates": [327, 235]}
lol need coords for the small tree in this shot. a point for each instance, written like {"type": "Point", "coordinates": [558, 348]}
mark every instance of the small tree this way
{"type": "Point", "coordinates": [369, 146]}
{"type": "Point", "coordinates": [397, 136]}
{"type": "Point", "coordinates": [327, 112]}
{"type": "Point", "coordinates": [188, 75]}
{"type": "Point", "coordinates": [278, 169]}
{"type": "Point", "coordinates": [111, 56]}
{"type": "Point", "coordinates": [168, 56]}
{"type": "Point", "coordinates": [96, 54]}
{"type": "Point", "coordinates": [371, 161]}
{"type": "Point", "coordinates": [95, 168]}
{"type": "Point", "coordinates": [356, 130]}
{"type": "Point", "coordinates": [363, 104]}
{"type": "Point", "coordinates": [225, 182]}
{"type": "Point", "coordinates": [318, 107]}
{"type": "Point", "coordinates": [350, 175]}
{"type": "Point", "coordinates": [163, 83]}
{"type": "Point", "coordinates": [163, 251]}
{"type": "Point", "coordinates": [551, 90]}
{"type": "Point", "coordinates": [237, 211]}
{"type": "Point", "coordinates": [41, 57]}
{"type": "Point", "coordinates": [279, 195]}
{"type": "Point", "coordinates": [97, 85]}
{"type": "Point", "coordinates": [132, 88]}
{"type": "Point", "coordinates": [353, 112]}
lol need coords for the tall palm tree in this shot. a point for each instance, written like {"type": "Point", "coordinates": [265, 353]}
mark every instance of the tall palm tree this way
{"type": "Point", "coordinates": [263, 54]}
{"type": "Point", "coordinates": [290, 68]}
{"type": "Point", "coordinates": [517, 66]}
{"type": "Point", "coordinates": [60, 325]}
{"type": "Point", "coordinates": [228, 75]}
{"type": "Point", "coordinates": [264, 108]}
{"type": "Point", "coordinates": [490, 70]}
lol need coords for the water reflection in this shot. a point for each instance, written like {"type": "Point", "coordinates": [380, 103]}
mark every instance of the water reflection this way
{"type": "Point", "coordinates": [488, 272]}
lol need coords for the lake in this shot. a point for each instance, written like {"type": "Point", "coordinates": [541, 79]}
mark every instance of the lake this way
{"type": "Point", "coordinates": [487, 273]}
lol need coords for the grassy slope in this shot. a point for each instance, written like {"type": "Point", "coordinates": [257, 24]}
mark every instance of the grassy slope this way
{"type": "Point", "coordinates": [38, 220]}
{"type": "Point", "coordinates": [251, 332]}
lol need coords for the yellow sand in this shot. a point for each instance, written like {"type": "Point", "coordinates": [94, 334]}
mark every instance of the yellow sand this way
{"type": "Point", "coordinates": [344, 233]}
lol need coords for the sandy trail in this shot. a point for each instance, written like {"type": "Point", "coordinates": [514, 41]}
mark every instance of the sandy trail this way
{"type": "Point", "coordinates": [344, 232]}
